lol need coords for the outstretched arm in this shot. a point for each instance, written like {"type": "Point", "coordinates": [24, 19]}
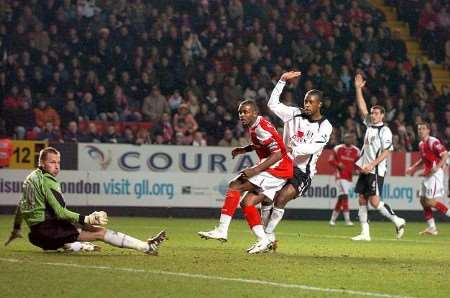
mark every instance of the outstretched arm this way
{"type": "Point", "coordinates": [16, 231]}
{"type": "Point", "coordinates": [359, 85]}
{"type": "Point", "coordinates": [283, 111]}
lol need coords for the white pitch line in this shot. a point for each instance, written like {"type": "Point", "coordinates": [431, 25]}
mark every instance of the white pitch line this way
{"type": "Point", "coordinates": [212, 277]}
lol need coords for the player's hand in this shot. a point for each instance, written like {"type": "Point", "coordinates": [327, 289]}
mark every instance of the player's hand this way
{"type": "Point", "coordinates": [249, 172]}
{"type": "Point", "coordinates": [96, 218]}
{"type": "Point", "coordinates": [290, 75]}
{"type": "Point", "coordinates": [236, 151]}
{"type": "Point", "coordinates": [340, 166]}
{"type": "Point", "coordinates": [366, 169]}
{"type": "Point", "coordinates": [359, 81]}
{"type": "Point", "coordinates": [14, 235]}
{"type": "Point", "coordinates": [410, 171]}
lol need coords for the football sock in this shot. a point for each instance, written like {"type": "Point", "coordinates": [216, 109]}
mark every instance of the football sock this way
{"type": "Point", "coordinates": [229, 208]}
{"type": "Point", "coordinates": [265, 213]}
{"type": "Point", "coordinates": [334, 215]}
{"type": "Point", "coordinates": [442, 208]}
{"type": "Point", "coordinates": [275, 218]}
{"type": "Point", "coordinates": [386, 211]}
{"type": "Point", "coordinates": [362, 213]}
{"type": "Point", "coordinates": [254, 221]}
{"type": "Point", "coordinates": [122, 240]}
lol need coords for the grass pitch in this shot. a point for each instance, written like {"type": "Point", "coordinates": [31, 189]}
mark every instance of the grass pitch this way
{"type": "Point", "coordinates": [313, 260]}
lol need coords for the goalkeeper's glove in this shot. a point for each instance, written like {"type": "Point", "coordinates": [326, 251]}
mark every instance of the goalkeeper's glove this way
{"type": "Point", "coordinates": [96, 218]}
{"type": "Point", "coordinates": [16, 233]}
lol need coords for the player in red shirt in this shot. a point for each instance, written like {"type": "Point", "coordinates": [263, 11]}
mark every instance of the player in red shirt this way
{"type": "Point", "coordinates": [344, 158]}
{"type": "Point", "coordinates": [433, 156]}
{"type": "Point", "coordinates": [267, 177]}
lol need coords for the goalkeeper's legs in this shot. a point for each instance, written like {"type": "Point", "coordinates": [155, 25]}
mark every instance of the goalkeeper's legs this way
{"type": "Point", "coordinates": [118, 239]}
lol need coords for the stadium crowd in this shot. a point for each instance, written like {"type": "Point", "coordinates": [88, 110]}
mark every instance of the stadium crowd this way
{"type": "Point", "coordinates": [430, 22]}
{"type": "Point", "coordinates": [173, 72]}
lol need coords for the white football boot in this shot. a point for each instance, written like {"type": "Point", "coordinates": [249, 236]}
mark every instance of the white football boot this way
{"type": "Point", "coordinates": [155, 242]}
{"type": "Point", "coordinates": [214, 234]}
{"type": "Point", "coordinates": [429, 231]}
{"type": "Point", "coordinates": [362, 237]}
{"type": "Point", "coordinates": [263, 245]}
{"type": "Point", "coordinates": [399, 227]}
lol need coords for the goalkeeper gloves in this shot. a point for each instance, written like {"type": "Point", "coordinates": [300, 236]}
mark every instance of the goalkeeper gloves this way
{"type": "Point", "coordinates": [96, 218]}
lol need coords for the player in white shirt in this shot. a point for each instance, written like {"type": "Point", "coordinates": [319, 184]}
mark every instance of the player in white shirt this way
{"type": "Point", "coordinates": [306, 133]}
{"type": "Point", "coordinates": [372, 162]}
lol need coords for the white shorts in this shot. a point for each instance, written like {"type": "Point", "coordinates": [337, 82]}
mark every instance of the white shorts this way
{"type": "Point", "coordinates": [433, 187]}
{"type": "Point", "coordinates": [343, 186]}
{"type": "Point", "coordinates": [267, 184]}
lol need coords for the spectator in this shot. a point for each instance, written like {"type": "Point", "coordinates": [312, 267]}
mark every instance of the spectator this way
{"type": "Point", "coordinates": [45, 114]}
{"type": "Point", "coordinates": [72, 135]}
{"type": "Point", "coordinates": [198, 139]}
{"type": "Point", "coordinates": [92, 135]}
{"type": "Point", "coordinates": [111, 135]}
{"type": "Point", "coordinates": [183, 121]}
{"type": "Point", "coordinates": [228, 139]}
{"type": "Point", "coordinates": [154, 106]}
{"type": "Point", "coordinates": [88, 108]}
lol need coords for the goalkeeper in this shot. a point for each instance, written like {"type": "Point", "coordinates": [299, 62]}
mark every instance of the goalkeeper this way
{"type": "Point", "coordinates": [53, 226]}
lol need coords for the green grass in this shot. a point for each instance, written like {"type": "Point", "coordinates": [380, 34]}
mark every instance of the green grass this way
{"type": "Point", "coordinates": [310, 254]}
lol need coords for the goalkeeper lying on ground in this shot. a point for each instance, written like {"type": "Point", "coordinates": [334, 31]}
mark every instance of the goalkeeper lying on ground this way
{"type": "Point", "coordinates": [53, 226]}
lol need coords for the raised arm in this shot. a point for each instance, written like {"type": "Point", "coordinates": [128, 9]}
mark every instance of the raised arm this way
{"type": "Point", "coordinates": [283, 111]}
{"type": "Point", "coordinates": [359, 85]}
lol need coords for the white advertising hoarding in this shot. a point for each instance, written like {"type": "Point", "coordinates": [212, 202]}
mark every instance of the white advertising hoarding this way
{"type": "Point", "coordinates": [161, 159]}
{"type": "Point", "coordinates": [118, 188]}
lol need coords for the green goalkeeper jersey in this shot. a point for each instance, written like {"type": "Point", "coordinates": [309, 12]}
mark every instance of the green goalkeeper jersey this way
{"type": "Point", "coordinates": [42, 200]}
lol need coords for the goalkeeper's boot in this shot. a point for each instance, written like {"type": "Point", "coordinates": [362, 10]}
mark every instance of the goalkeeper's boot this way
{"type": "Point", "coordinates": [214, 234]}
{"type": "Point", "coordinates": [155, 242]}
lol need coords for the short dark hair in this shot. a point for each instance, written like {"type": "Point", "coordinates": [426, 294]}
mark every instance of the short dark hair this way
{"type": "Point", "coordinates": [315, 92]}
{"type": "Point", "coordinates": [44, 152]}
{"type": "Point", "coordinates": [249, 102]}
{"type": "Point", "coordinates": [426, 124]}
{"type": "Point", "coordinates": [380, 108]}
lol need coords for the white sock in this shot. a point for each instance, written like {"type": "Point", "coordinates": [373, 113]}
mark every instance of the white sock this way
{"type": "Point", "coordinates": [258, 230]}
{"type": "Point", "coordinates": [346, 216]}
{"type": "Point", "coordinates": [74, 246]}
{"type": "Point", "coordinates": [362, 213]}
{"type": "Point", "coordinates": [224, 223]}
{"type": "Point", "coordinates": [334, 215]}
{"type": "Point", "coordinates": [275, 218]}
{"type": "Point", "coordinates": [265, 214]}
{"type": "Point", "coordinates": [431, 223]}
{"type": "Point", "coordinates": [122, 240]}
{"type": "Point", "coordinates": [386, 211]}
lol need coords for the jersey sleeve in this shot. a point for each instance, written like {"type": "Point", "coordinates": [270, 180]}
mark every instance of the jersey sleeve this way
{"type": "Point", "coordinates": [264, 134]}
{"type": "Point", "coordinates": [386, 139]}
{"type": "Point", "coordinates": [318, 143]}
{"type": "Point", "coordinates": [333, 159]}
{"type": "Point", "coordinates": [283, 111]}
{"type": "Point", "coordinates": [438, 148]}
{"type": "Point", "coordinates": [55, 200]}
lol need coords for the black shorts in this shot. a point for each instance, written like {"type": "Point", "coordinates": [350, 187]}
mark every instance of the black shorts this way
{"type": "Point", "coordinates": [369, 185]}
{"type": "Point", "coordinates": [301, 181]}
{"type": "Point", "coordinates": [53, 234]}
